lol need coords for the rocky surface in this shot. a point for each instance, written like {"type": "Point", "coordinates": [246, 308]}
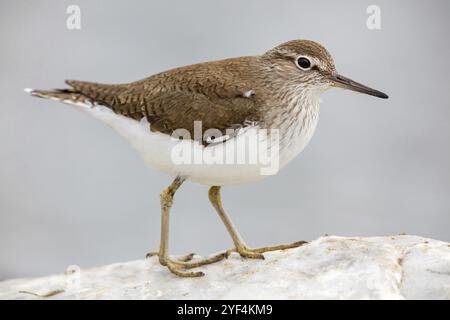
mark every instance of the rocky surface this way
{"type": "Point", "coordinates": [396, 267]}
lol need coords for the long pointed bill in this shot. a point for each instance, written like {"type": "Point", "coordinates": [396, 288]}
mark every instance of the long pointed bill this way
{"type": "Point", "coordinates": [346, 83]}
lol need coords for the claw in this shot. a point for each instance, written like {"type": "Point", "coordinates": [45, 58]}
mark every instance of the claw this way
{"type": "Point", "coordinates": [187, 257]}
{"type": "Point", "coordinates": [151, 254]}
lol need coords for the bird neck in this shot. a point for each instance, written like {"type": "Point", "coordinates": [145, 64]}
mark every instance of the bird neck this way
{"type": "Point", "coordinates": [292, 104]}
{"type": "Point", "coordinates": [295, 117]}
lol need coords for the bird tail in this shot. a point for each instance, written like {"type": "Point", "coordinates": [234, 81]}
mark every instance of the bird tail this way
{"type": "Point", "coordinates": [69, 96]}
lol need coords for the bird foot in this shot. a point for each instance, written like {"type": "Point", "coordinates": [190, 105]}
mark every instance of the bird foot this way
{"type": "Point", "coordinates": [179, 266]}
{"type": "Point", "coordinates": [185, 258]}
{"type": "Point", "coordinates": [186, 262]}
{"type": "Point", "coordinates": [245, 253]}
{"type": "Point", "coordinates": [257, 253]}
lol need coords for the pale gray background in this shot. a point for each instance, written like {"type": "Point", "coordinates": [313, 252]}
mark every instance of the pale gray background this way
{"type": "Point", "coordinates": [74, 192]}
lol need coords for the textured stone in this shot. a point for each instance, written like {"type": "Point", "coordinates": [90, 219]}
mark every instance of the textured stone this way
{"type": "Point", "coordinates": [397, 267]}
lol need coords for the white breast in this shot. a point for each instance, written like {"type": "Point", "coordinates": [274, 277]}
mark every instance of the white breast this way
{"type": "Point", "coordinates": [300, 131]}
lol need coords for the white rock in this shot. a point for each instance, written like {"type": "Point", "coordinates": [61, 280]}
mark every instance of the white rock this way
{"type": "Point", "coordinates": [397, 267]}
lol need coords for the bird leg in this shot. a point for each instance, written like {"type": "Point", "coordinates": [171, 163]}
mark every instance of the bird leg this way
{"type": "Point", "coordinates": [177, 267]}
{"type": "Point", "coordinates": [240, 246]}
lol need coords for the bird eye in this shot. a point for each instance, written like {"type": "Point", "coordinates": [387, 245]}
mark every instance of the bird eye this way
{"type": "Point", "coordinates": [304, 63]}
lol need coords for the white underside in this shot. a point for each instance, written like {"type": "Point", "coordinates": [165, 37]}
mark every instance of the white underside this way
{"type": "Point", "coordinates": [156, 150]}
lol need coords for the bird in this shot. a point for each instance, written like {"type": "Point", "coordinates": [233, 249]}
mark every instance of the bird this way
{"type": "Point", "coordinates": [207, 109]}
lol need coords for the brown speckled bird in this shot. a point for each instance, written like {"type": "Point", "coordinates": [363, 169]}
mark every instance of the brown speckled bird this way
{"type": "Point", "coordinates": [226, 101]}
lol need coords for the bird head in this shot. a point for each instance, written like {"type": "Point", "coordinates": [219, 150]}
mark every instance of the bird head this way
{"type": "Point", "coordinates": [308, 65]}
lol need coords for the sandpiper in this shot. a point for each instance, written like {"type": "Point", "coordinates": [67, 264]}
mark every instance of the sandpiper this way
{"type": "Point", "coordinates": [276, 90]}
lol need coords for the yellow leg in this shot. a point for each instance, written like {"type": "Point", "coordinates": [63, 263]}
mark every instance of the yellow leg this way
{"type": "Point", "coordinates": [177, 267]}
{"type": "Point", "coordinates": [239, 244]}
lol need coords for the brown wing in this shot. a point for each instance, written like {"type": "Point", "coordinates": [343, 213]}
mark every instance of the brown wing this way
{"type": "Point", "coordinates": [168, 109]}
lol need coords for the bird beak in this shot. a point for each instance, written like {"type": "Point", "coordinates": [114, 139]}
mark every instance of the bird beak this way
{"type": "Point", "coordinates": [346, 83]}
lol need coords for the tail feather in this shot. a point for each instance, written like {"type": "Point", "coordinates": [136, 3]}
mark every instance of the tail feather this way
{"type": "Point", "coordinates": [82, 93]}
{"type": "Point", "coordinates": [64, 95]}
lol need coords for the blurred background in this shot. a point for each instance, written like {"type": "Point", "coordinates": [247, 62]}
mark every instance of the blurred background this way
{"type": "Point", "coordinates": [72, 191]}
